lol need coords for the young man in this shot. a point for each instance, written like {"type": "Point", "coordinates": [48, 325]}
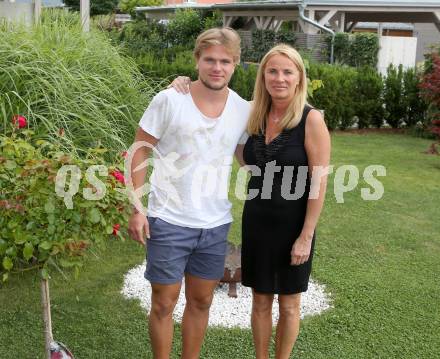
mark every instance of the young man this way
{"type": "Point", "coordinates": [194, 137]}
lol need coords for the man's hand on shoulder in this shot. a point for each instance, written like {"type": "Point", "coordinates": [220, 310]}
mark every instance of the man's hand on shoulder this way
{"type": "Point", "coordinates": [181, 84]}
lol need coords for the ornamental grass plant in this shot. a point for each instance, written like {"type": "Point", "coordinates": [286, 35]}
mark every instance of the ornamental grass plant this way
{"type": "Point", "coordinates": [61, 78]}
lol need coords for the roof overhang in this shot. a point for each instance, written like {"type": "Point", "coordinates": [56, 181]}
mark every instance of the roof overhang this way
{"type": "Point", "coordinates": [331, 4]}
{"type": "Point", "coordinates": [166, 11]}
{"type": "Point", "coordinates": [259, 5]}
{"type": "Point", "coordinates": [414, 5]}
{"type": "Point", "coordinates": [355, 11]}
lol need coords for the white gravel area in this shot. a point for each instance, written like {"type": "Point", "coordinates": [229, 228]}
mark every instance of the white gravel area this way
{"type": "Point", "coordinates": [225, 311]}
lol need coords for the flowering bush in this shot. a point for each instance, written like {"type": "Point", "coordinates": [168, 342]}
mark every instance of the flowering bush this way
{"type": "Point", "coordinates": [430, 87]}
{"type": "Point", "coordinates": [431, 84]}
{"type": "Point", "coordinates": [37, 229]}
{"type": "Point", "coordinates": [19, 121]}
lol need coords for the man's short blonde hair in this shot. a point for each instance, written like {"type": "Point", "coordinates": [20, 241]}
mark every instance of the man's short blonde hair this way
{"type": "Point", "coordinates": [224, 36]}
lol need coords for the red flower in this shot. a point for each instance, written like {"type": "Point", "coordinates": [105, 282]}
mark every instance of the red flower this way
{"type": "Point", "coordinates": [19, 121]}
{"type": "Point", "coordinates": [118, 176]}
{"type": "Point", "coordinates": [124, 154]}
{"type": "Point", "coordinates": [4, 203]}
{"type": "Point", "coordinates": [116, 229]}
{"type": "Point", "coordinates": [19, 208]}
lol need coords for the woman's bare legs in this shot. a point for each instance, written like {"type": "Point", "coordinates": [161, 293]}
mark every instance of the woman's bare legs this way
{"type": "Point", "coordinates": [261, 321]}
{"type": "Point", "coordinates": [288, 324]}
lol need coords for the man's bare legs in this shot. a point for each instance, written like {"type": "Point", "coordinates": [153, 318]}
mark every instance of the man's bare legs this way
{"type": "Point", "coordinates": [288, 324]}
{"type": "Point", "coordinates": [160, 325]}
{"type": "Point", "coordinates": [199, 293]}
{"type": "Point", "coordinates": [261, 321]}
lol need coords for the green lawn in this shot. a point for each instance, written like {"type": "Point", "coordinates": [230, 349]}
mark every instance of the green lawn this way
{"type": "Point", "coordinates": [379, 259]}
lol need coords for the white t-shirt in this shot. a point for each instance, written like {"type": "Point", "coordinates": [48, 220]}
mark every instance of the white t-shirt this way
{"type": "Point", "coordinates": [193, 158]}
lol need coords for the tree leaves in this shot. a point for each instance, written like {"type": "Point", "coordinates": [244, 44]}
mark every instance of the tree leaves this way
{"type": "Point", "coordinates": [45, 245]}
{"type": "Point", "coordinates": [94, 215]}
{"type": "Point", "coordinates": [10, 165]}
{"type": "Point", "coordinates": [7, 263]}
{"type": "Point", "coordinates": [3, 246]}
{"type": "Point", "coordinates": [28, 251]}
{"type": "Point", "coordinates": [49, 207]}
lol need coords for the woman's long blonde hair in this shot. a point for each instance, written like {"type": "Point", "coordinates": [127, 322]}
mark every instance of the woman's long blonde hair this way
{"type": "Point", "coordinates": [262, 100]}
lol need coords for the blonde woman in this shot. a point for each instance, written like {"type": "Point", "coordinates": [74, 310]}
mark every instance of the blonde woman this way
{"type": "Point", "coordinates": [288, 151]}
{"type": "Point", "coordinates": [288, 139]}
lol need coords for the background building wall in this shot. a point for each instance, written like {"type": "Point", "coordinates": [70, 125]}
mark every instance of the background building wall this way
{"type": "Point", "coordinates": [396, 50]}
{"type": "Point", "coordinates": [16, 11]}
{"type": "Point", "coordinates": [427, 35]}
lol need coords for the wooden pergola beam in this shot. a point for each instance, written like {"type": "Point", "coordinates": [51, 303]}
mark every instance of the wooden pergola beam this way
{"type": "Point", "coordinates": [327, 17]}
{"type": "Point", "coordinates": [267, 22]}
{"type": "Point", "coordinates": [351, 26]}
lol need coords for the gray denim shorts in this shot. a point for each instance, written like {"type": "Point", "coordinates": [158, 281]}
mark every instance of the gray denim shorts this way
{"type": "Point", "coordinates": [173, 251]}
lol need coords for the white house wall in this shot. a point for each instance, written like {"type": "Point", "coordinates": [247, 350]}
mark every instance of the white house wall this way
{"type": "Point", "coordinates": [396, 50]}
{"type": "Point", "coordinates": [427, 35]}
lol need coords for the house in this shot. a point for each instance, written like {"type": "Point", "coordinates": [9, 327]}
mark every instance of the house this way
{"type": "Point", "coordinates": [176, 2]}
{"type": "Point", "coordinates": [427, 34]}
{"type": "Point", "coordinates": [397, 18]}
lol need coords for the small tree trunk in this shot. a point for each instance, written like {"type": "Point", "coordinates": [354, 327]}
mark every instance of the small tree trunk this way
{"type": "Point", "coordinates": [45, 301]}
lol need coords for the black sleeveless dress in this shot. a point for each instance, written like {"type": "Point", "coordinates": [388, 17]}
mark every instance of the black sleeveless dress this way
{"type": "Point", "coordinates": [272, 222]}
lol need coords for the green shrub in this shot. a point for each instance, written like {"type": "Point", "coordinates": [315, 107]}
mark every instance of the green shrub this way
{"type": "Point", "coordinates": [62, 78]}
{"type": "Point", "coordinates": [286, 37]}
{"type": "Point", "coordinates": [341, 48]}
{"type": "Point", "coordinates": [394, 99]}
{"type": "Point", "coordinates": [368, 89]}
{"type": "Point", "coordinates": [151, 37]}
{"type": "Point", "coordinates": [337, 96]}
{"type": "Point", "coordinates": [140, 37]}
{"type": "Point", "coordinates": [358, 49]}
{"type": "Point", "coordinates": [97, 7]}
{"type": "Point", "coordinates": [183, 64]}
{"type": "Point", "coordinates": [184, 27]}
{"type": "Point", "coordinates": [364, 48]}
{"type": "Point", "coordinates": [128, 6]}
{"type": "Point", "coordinates": [243, 80]}
{"type": "Point", "coordinates": [213, 19]}
{"type": "Point", "coordinates": [104, 22]}
{"type": "Point", "coordinates": [264, 40]}
{"type": "Point", "coordinates": [415, 104]}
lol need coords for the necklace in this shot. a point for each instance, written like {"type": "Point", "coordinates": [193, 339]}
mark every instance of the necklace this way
{"type": "Point", "coordinates": [274, 118]}
{"type": "Point", "coordinates": [272, 131]}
